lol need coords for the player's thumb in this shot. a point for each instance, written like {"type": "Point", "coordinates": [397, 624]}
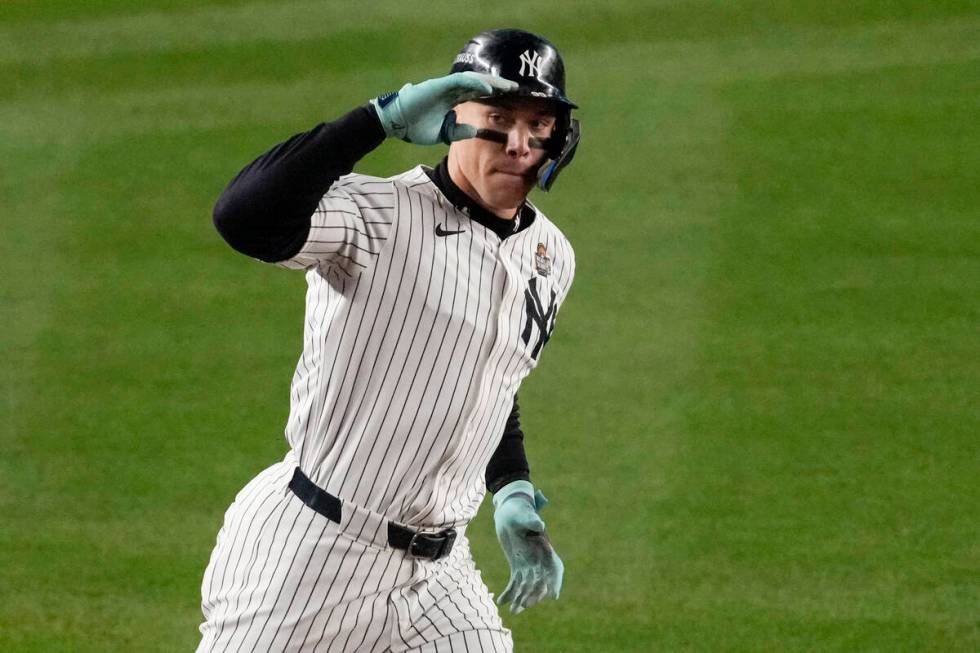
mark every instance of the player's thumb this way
{"type": "Point", "coordinates": [540, 500]}
{"type": "Point", "coordinates": [455, 131]}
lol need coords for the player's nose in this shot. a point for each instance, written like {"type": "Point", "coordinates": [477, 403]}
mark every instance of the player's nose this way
{"type": "Point", "coordinates": [519, 142]}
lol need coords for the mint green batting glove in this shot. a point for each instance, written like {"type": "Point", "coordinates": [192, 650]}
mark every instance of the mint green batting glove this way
{"type": "Point", "coordinates": [535, 569]}
{"type": "Point", "coordinates": [422, 113]}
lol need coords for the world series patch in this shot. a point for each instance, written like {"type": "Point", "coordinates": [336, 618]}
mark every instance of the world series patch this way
{"type": "Point", "coordinates": [542, 262]}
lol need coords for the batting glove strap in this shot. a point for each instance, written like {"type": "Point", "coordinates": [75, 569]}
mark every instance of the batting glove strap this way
{"type": "Point", "coordinates": [422, 113]}
{"type": "Point", "coordinates": [536, 571]}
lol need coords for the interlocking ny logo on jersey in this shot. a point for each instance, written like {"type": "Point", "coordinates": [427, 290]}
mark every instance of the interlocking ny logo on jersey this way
{"type": "Point", "coordinates": [536, 314]}
{"type": "Point", "coordinates": [530, 61]}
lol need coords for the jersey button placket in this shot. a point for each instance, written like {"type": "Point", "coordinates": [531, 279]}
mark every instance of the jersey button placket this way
{"type": "Point", "coordinates": [512, 284]}
{"type": "Point", "coordinates": [490, 243]}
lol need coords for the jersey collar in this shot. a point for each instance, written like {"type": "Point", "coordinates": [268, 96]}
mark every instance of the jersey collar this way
{"type": "Point", "coordinates": [503, 228]}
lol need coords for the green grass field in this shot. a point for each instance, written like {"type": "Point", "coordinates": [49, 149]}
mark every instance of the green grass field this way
{"type": "Point", "coordinates": [758, 419]}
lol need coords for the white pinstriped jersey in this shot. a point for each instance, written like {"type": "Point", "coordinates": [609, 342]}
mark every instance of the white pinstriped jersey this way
{"type": "Point", "coordinates": [420, 326]}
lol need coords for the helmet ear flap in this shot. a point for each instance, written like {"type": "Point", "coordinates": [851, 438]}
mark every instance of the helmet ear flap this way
{"type": "Point", "coordinates": [556, 143]}
{"type": "Point", "coordinates": [560, 152]}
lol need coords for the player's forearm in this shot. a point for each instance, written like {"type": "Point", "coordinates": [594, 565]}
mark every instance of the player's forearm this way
{"type": "Point", "coordinates": [509, 461]}
{"type": "Point", "coordinates": [265, 210]}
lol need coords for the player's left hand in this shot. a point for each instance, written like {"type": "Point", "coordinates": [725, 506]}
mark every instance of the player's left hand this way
{"type": "Point", "coordinates": [535, 569]}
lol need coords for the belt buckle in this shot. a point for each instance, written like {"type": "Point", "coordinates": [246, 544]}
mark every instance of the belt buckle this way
{"type": "Point", "coordinates": [448, 537]}
{"type": "Point", "coordinates": [447, 543]}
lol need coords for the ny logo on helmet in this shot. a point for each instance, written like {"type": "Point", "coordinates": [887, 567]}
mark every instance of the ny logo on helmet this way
{"type": "Point", "coordinates": [531, 62]}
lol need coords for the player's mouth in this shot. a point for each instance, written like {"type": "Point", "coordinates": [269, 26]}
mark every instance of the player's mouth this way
{"type": "Point", "coordinates": [523, 176]}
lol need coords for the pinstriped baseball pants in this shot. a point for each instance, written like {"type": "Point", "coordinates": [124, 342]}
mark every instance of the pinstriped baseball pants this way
{"type": "Point", "coordinates": [282, 577]}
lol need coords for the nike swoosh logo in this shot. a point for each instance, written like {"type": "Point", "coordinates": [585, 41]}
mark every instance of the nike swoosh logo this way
{"type": "Point", "coordinates": [442, 232]}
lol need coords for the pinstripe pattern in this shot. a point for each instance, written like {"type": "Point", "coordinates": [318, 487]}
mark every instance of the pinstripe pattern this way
{"type": "Point", "coordinates": [284, 578]}
{"type": "Point", "coordinates": [414, 347]}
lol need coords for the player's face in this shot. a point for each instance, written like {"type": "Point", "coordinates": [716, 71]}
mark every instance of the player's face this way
{"type": "Point", "coordinates": [500, 175]}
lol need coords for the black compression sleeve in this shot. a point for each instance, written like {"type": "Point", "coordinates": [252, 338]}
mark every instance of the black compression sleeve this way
{"type": "Point", "coordinates": [509, 461]}
{"type": "Point", "coordinates": [265, 211]}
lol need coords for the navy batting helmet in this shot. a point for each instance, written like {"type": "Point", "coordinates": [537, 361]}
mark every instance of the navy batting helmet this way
{"type": "Point", "coordinates": [534, 63]}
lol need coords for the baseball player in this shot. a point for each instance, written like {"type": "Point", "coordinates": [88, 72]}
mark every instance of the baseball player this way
{"type": "Point", "coordinates": [430, 297]}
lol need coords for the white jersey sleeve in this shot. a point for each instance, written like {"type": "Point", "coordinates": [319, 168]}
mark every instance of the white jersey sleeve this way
{"type": "Point", "coordinates": [349, 226]}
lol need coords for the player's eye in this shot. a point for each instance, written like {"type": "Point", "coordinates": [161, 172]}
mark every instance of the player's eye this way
{"type": "Point", "coordinates": [499, 120]}
{"type": "Point", "coordinates": [541, 127]}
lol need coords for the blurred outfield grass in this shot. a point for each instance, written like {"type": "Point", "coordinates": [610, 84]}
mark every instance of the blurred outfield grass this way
{"type": "Point", "coordinates": [758, 419]}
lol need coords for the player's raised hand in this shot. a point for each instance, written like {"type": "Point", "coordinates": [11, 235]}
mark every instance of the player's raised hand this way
{"type": "Point", "coordinates": [422, 113]}
{"type": "Point", "coordinates": [535, 569]}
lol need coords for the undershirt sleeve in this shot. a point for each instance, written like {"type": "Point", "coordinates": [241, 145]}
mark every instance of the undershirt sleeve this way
{"type": "Point", "coordinates": [265, 211]}
{"type": "Point", "coordinates": [509, 461]}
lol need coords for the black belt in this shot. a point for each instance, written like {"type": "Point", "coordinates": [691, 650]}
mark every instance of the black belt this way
{"type": "Point", "coordinates": [418, 544]}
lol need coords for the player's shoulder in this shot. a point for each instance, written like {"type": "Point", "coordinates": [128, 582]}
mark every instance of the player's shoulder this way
{"type": "Point", "coordinates": [357, 183]}
{"type": "Point", "coordinates": [550, 251]}
{"type": "Point", "coordinates": [546, 228]}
